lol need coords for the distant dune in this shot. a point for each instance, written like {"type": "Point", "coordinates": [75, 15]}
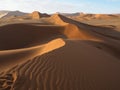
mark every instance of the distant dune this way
{"type": "Point", "coordinates": [64, 55]}
{"type": "Point", "coordinates": [14, 13]}
{"type": "Point", "coordinates": [3, 13]}
{"type": "Point", "coordinates": [86, 16]}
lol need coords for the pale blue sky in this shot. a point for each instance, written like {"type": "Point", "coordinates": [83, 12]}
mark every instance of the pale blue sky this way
{"type": "Point", "coordinates": [52, 6]}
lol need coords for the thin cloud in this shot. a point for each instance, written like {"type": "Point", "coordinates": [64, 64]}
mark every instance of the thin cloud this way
{"type": "Point", "coordinates": [114, 0]}
{"type": "Point", "coordinates": [51, 6]}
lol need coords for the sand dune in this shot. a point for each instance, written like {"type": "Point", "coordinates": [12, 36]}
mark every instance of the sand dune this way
{"type": "Point", "coordinates": [87, 16]}
{"type": "Point", "coordinates": [17, 56]}
{"type": "Point", "coordinates": [68, 68]}
{"type": "Point", "coordinates": [25, 35]}
{"type": "Point", "coordinates": [66, 55]}
{"type": "Point", "coordinates": [14, 13]}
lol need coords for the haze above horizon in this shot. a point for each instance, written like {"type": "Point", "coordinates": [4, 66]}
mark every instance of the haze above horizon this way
{"type": "Point", "coordinates": [63, 6]}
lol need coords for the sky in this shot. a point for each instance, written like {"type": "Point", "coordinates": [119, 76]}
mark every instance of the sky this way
{"type": "Point", "coordinates": [63, 6]}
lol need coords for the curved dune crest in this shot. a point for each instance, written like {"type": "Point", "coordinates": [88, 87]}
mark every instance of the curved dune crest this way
{"type": "Point", "coordinates": [68, 68]}
{"type": "Point", "coordinates": [56, 19]}
{"type": "Point", "coordinates": [17, 56]}
{"type": "Point", "coordinates": [73, 29]}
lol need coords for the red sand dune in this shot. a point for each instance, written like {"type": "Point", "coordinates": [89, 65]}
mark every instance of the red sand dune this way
{"type": "Point", "coordinates": [68, 55]}
{"type": "Point", "coordinates": [37, 15]}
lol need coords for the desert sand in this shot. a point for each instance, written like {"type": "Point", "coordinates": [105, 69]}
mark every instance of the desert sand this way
{"type": "Point", "coordinates": [58, 53]}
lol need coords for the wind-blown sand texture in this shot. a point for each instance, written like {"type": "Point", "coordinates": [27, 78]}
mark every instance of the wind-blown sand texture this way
{"type": "Point", "coordinates": [66, 55]}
